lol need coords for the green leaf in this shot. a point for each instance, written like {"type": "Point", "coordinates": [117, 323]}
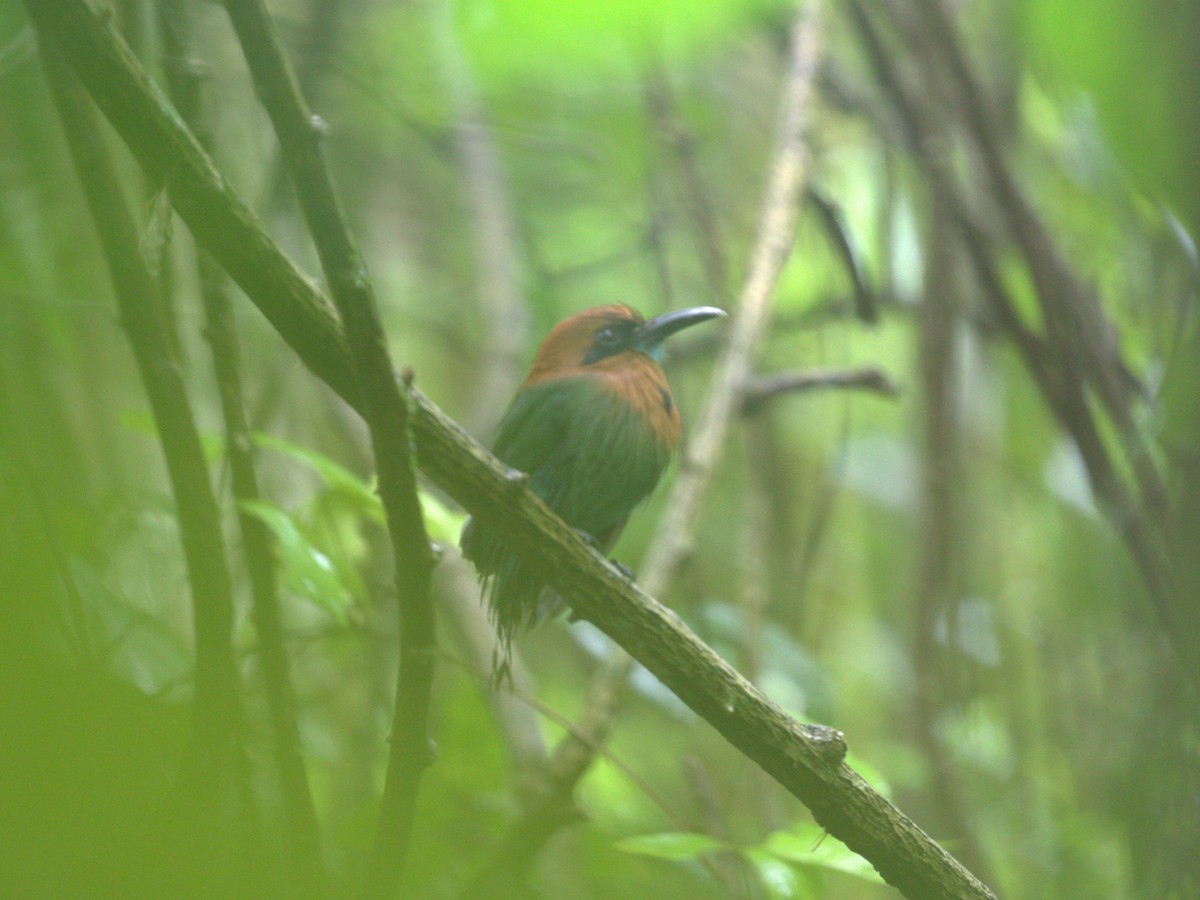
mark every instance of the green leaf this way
{"type": "Point", "coordinates": [137, 645]}
{"type": "Point", "coordinates": [336, 476]}
{"type": "Point", "coordinates": [441, 522]}
{"type": "Point", "coordinates": [307, 571]}
{"type": "Point", "coordinates": [671, 845]}
{"type": "Point", "coordinates": [780, 879]}
{"type": "Point", "coordinates": [806, 844]}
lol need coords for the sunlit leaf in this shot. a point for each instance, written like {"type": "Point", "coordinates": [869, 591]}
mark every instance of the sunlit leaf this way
{"type": "Point", "coordinates": [442, 523]}
{"type": "Point", "coordinates": [336, 476]}
{"type": "Point", "coordinates": [781, 880]}
{"type": "Point", "coordinates": [307, 571]}
{"type": "Point", "coordinates": [671, 845]}
{"type": "Point", "coordinates": [807, 844]}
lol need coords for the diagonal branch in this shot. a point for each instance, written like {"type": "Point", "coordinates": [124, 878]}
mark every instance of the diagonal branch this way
{"type": "Point", "coordinates": [573, 758]}
{"type": "Point", "coordinates": [185, 86]}
{"type": "Point", "coordinates": [216, 751]}
{"type": "Point", "coordinates": [387, 414]}
{"type": "Point", "coordinates": [1049, 358]}
{"type": "Point", "coordinates": [760, 390]}
{"type": "Point", "coordinates": [807, 760]}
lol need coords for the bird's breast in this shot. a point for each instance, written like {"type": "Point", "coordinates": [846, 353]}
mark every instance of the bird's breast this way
{"type": "Point", "coordinates": [639, 382]}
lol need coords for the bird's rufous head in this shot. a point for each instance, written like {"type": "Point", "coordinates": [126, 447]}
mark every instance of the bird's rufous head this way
{"type": "Point", "coordinates": [600, 335]}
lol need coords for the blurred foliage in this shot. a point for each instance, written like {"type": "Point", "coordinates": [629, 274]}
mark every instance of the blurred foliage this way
{"type": "Point", "coordinates": [1054, 677]}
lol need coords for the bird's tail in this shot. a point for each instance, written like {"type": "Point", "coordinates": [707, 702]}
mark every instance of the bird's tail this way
{"type": "Point", "coordinates": [514, 592]}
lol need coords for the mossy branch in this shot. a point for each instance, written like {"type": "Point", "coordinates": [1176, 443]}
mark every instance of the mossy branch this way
{"type": "Point", "coordinates": [805, 759]}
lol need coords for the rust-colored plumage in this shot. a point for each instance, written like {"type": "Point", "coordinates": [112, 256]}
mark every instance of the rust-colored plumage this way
{"type": "Point", "coordinates": [632, 375]}
{"type": "Point", "coordinates": [594, 425]}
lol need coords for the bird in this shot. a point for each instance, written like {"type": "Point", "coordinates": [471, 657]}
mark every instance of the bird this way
{"type": "Point", "coordinates": [593, 426]}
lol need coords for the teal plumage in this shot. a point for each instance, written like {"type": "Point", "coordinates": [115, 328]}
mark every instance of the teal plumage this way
{"type": "Point", "coordinates": [594, 425]}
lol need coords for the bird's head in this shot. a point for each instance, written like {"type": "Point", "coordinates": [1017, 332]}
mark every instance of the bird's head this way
{"type": "Point", "coordinates": [603, 333]}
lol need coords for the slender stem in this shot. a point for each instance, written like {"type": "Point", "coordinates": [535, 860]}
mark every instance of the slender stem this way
{"type": "Point", "coordinates": [303, 831]}
{"type": "Point", "coordinates": [804, 759]}
{"type": "Point", "coordinates": [1050, 358]}
{"type": "Point", "coordinates": [760, 390]}
{"type": "Point", "coordinates": [217, 704]}
{"type": "Point", "coordinates": [837, 232]}
{"type": "Point", "coordinates": [387, 415]}
{"type": "Point", "coordinates": [671, 540]}
{"type": "Point", "coordinates": [776, 232]}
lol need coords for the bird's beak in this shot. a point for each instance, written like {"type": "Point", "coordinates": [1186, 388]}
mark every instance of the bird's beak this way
{"type": "Point", "coordinates": [652, 333]}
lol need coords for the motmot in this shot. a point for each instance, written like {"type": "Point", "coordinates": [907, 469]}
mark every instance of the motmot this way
{"type": "Point", "coordinates": [593, 425]}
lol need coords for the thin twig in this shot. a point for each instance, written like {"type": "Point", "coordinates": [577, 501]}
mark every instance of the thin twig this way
{"type": "Point", "coordinates": [669, 545]}
{"type": "Point", "coordinates": [387, 416]}
{"type": "Point", "coordinates": [1056, 371]}
{"type": "Point", "coordinates": [866, 307]}
{"type": "Point", "coordinates": [760, 390]}
{"type": "Point", "coordinates": [217, 706]}
{"type": "Point", "coordinates": [804, 759]}
{"type": "Point", "coordinates": [302, 828]}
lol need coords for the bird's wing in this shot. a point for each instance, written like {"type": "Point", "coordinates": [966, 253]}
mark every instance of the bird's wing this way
{"type": "Point", "coordinates": [536, 424]}
{"type": "Point", "coordinates": [532, 432]}
{"type": "Point", "coordinates": [617, 462]}
{"type": "Point", "coordinates": [590, 457]}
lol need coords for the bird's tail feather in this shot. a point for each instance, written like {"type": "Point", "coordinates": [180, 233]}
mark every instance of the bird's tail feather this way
{"type": "Point", "coordinates": [516, 596]}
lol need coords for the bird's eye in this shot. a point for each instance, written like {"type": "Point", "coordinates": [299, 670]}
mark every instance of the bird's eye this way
{"type": "Point", "coordinates": [608, 336]}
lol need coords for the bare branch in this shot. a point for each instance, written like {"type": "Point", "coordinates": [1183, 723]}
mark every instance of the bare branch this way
{"type": "Point", "coordinates": [1050, 359]}
{"type": "Point", "coordinates": [758, 391]}
{"type": "Point", "coordinates": [776, 235]}
{"type": "Point", "coordinates": [303, 831]}
{"type": "Point", "coordinates": [206, 842]}
{"type": "Point", "coordinates": [387, 415]}
{"type": "Point", "coordinates": [866, 306]}
{"type": "Point", "coordinates": [806, 759]}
